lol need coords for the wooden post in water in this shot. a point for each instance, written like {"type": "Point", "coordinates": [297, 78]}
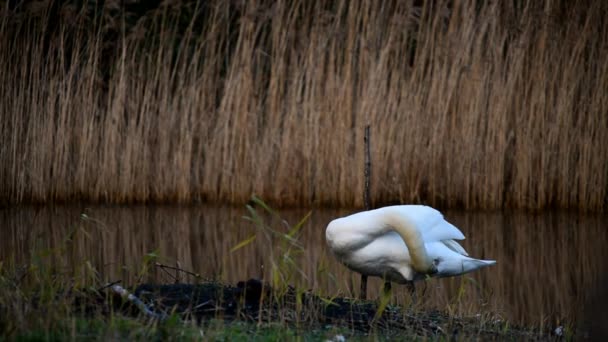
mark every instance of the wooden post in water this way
{"type": "Point", "coordinates": [366, 200]}
{"type": "Point", "coordinates": [368, 166]}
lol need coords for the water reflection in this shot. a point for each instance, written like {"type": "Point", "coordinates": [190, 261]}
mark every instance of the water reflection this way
{"type": "Point", "coordinates": [547, 263]}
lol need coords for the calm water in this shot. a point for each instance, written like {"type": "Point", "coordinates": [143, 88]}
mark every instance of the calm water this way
{"type": "Point", "coordinates": [548, 269]}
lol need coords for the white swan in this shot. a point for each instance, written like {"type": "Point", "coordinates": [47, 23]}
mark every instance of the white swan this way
{"type": "Point", "coordinates": [401, 243]}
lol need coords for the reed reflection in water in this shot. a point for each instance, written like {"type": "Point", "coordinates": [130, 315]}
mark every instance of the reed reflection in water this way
{"type": "Point", "coordinates": [548, 264]}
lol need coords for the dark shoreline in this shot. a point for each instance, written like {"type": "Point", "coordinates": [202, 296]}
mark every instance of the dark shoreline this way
{"type": "Point", "coordinates": [253, 302]}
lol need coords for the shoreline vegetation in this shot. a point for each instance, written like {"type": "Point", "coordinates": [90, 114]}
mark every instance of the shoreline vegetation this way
{"type": "Point", "coordinates": [44, 301]}
{"type": "Point", "coordinates": [472, 105]}
{"type": "Point", "coordinates": [212, 310]}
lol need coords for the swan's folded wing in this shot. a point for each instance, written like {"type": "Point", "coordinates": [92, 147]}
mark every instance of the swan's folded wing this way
{"type": "Point", "coordinates": [431, 224]}
{"type": "Point", "coordinates": [455, 246]}
{"type": "Point", "coordinates": [442, 230]}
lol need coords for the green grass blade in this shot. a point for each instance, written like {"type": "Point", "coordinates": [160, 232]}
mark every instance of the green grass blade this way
{"type": "Point", "coordinates": [255, 199]}
{"type": "Point", "coordinates": [243, 243]}
{"type": "Point", "coordinates": [299, 225]}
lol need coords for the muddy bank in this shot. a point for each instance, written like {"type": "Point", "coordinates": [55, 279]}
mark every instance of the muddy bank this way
{"type": "Point", "coordinates": [254, 301]}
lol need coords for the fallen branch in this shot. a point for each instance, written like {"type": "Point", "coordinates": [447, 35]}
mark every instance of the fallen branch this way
{"type": "Point", "coordinates": [138, 303]}
{"type": "Point", "coordinates": [176, 277]}
{"type": "Point", "coordinates": [108, 285]}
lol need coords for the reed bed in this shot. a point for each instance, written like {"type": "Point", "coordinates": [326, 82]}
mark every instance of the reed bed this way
{"type": "Point", "coordinates": [471, 104]}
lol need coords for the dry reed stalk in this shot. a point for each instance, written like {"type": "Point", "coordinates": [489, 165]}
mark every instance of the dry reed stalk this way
{"type": "Point", "coordinates": [500, 105]}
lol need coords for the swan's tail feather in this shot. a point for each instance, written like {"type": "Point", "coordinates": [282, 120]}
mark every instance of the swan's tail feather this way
{"type": "Point", "coordinates": [455, 246]}
{"type": "Point", "coordinates": [470, 264]}
{"type": "Point", "coordinates": [450, 267]}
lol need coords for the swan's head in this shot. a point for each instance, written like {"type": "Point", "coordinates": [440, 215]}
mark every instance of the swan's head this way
{"type": "Point", "coordinates": [420, 274]}
{"type": "Point", "coordinates": [433, 269]}
{"type": "Point", "coordinates": [445, 267]}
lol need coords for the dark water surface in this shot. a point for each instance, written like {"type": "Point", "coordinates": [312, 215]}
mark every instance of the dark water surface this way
{"type": "Point", "coordinates": [549, 265]}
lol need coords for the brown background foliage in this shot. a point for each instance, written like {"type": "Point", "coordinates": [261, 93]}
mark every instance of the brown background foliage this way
{"type": "Point", "coordinates": [471, 104]}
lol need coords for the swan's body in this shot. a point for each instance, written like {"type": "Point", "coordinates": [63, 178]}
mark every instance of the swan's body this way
{"type": "Point", "coordinates": [402, 244]}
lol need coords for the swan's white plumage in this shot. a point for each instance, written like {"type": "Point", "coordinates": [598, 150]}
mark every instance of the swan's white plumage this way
{"type": "Point", "coordinates": [401, 244]}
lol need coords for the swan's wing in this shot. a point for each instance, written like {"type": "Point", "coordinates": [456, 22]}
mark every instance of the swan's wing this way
{"type": "Point", "coordinates": [431, 224]}
{"type": "Point", "coordinates": [455, 246]}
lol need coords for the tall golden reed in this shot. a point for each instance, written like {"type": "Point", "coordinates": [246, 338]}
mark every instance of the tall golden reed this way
{"type": "Point", "coordinates": [487, 105]}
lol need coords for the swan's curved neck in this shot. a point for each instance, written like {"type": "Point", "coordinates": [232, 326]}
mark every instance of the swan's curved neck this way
{"type": "Point", "coordinates": [400, 223]}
